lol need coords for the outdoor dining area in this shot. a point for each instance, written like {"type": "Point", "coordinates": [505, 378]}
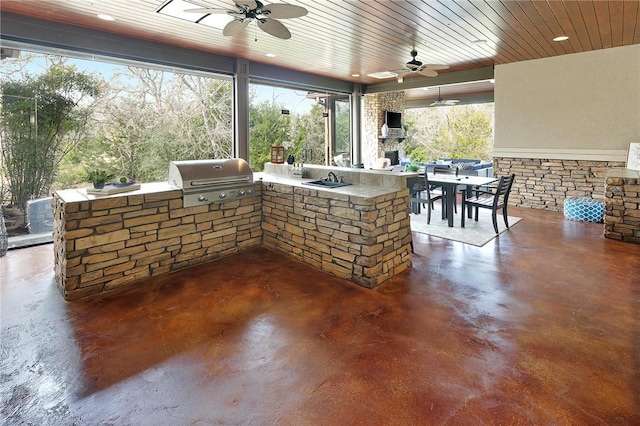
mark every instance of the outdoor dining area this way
{"type": "Point", "coordinates": [475, 194]}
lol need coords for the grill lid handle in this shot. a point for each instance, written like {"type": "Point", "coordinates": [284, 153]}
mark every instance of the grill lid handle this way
{"type": "Point", "coordinates": [229, 181]}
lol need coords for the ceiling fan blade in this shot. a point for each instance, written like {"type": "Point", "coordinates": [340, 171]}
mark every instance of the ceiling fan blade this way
{"type": "Point", "coordinates": [273, 27]}
{"type": "Point", "coordinates": [436, 67]}
{"type": "Point", "coordinates": [234, 27]}
{"type": "Point", "coordinates": [207, 10]}
{"type": "Point", "coordinates": [428, 73]}
{"type": "Point", "coordinates": [246, 4]}
{"type": "Point", "coordinates": [283, 11]}
{"type": "Point", "coordinates": [444, 102]}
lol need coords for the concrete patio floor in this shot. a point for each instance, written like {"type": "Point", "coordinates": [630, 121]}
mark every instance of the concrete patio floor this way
{"type": "Point", "coordinates": [539, 326]}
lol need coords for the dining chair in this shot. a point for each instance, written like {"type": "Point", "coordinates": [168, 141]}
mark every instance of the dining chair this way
{"type": "Point", "coordinates": [424, 193]}
{"type": "Point", "coordinates": [494, 198]}
{"type": "Point", "coordinates": [448, 170]}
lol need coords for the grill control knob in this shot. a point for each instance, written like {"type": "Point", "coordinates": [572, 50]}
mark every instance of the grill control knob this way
{"type": "Point", "coordinates": [241, 192]}
{"type": "Point", "coordinates": [202, 198]}
{"type": "Point", "coordinates": [249, 191]}
{"type": "Point", "coordinates": [223, 195]}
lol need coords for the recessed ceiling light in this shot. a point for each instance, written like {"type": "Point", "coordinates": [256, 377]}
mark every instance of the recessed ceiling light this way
{"type": "Point", "coordinates": [270, 55]}
{"type": "Point", "coordinates": [355, 75]}
{"type": "Point", "coordinates": [106, 17]}
{"type": "Point", "coordinates": [561, 38]}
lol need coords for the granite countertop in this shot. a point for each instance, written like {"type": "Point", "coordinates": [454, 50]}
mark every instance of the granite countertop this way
{"type": "Point", "coordinates": [359, 190]}
{"type": "Point", "coordinates": [75, 195]}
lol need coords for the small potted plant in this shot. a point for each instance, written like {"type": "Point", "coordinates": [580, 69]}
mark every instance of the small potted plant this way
{"type": "Point", "coordinates": [411, 167]}
{"type": "Point", "coordinates": [98, 178]}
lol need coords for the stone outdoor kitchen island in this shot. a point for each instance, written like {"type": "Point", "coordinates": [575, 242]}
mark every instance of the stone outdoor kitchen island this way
{"type": "Point", "coordinates": [359, 232]}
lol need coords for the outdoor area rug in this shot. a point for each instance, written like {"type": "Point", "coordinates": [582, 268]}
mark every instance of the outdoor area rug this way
{"type": "Point", "coordinates": [475, 233]}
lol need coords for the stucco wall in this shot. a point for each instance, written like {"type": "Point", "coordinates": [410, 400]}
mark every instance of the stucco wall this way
{"type": "Point", "coordinates": [578, 106]}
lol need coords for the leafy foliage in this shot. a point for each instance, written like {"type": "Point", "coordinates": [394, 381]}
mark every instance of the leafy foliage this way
{"type": "Point", "coordinates": [343, 127]}
{"type": "Point", "coordinates": [42, 119]}
{"type": "Point", "coordinates": [450, 132]}
{"type": "Point", "coordinates": [161, 118]}
{"type": "Point", "coordinates": [307, 136]}
{"type": "Point", "coordinates": [267, 127]}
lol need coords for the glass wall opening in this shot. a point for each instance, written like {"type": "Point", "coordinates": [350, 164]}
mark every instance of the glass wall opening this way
{"type": "Point", "coordinates": [62, 117]}
{"type": "Point", "coordinates": [313, 127]}
{"type": "Point", "coordinates": [342, 141]}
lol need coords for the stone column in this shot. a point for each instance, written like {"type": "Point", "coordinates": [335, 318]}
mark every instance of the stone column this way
{"type": "Point", "coordinates": [622, 205]}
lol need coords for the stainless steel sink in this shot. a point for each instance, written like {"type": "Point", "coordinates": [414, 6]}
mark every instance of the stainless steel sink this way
{"type": "Point", "coordinates": [326, 183]}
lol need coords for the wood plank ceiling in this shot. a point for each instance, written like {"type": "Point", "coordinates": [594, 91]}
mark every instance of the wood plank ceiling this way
{"type": "Point", "coordinates": [349, 39]}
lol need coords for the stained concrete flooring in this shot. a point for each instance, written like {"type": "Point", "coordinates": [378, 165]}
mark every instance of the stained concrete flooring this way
{"type": "Point", "coordinates": [539, 326]}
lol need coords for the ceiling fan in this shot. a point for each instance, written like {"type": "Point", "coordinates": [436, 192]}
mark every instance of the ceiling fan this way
{"type": "Point", "coordinates": [440, 101]}
{"type": "Point", "coordinates": [414, 65]}
{"type": "Point", "coordinates": [265, 16]}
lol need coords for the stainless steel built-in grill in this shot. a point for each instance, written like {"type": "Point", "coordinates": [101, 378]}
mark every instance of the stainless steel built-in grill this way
{"type": "Point", "coordinates": [211, 181]}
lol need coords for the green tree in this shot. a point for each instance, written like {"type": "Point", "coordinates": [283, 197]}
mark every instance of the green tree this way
{"type": "Point", "coordinates": [159, 117]}
{"type": "Point", "coordinates": [450, 132]}
{"type": "Point", "coordinates": [466, 133]}
{"type": "Point", "coordinates": [343, 127]}
{"type": "Point", "coordinates": [307, 136]}
{"type": "Point", "coordinates": [267, 127]}
{"type": "Point", "coordinates": [43, 118]}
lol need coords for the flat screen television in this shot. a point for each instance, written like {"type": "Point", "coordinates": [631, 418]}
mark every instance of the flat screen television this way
{"type": "Point", "coordinates": [393, 119]}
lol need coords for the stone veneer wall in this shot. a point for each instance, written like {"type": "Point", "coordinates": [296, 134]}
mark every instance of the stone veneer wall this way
{"type": "Point", "coordinates": [374, 107]}
{"type": "Point", "coordinates": [545, 183]}
{"type": "Point", "coordinates": [362, 240]}
{"type": "Point", "coordinates": [622, 206]}
{"type": "Point", "coordinates": [107, 243]}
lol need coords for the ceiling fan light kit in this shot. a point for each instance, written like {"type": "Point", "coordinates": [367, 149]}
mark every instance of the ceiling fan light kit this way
{"type": "Point", "coordinates": [417, 67]}
{"type": "Point", "coordinates": [265, 16]}
{"type": "Point", "coordinates": [414, 66]}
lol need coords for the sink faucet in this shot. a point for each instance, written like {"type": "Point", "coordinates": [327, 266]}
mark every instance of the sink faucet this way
{"type": "Point", "coordinates": [331, 177]}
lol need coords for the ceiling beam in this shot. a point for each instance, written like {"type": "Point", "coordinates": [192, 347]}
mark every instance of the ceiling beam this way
{"type": "Point", "coordinates": [477, 74]}
{"type": "Point", "coordinates": [471, 98]}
